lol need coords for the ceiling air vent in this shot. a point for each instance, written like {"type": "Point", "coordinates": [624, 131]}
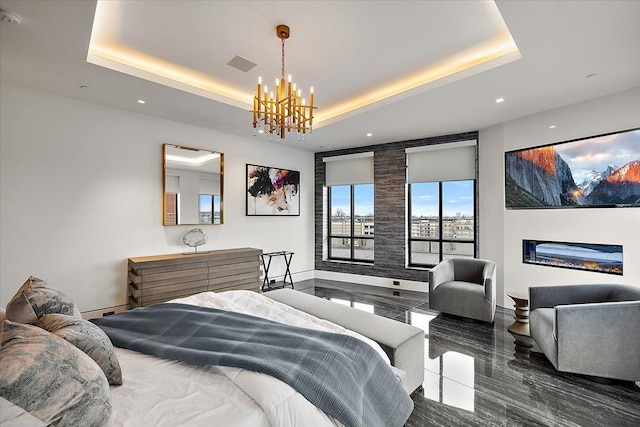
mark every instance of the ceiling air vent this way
{"type": "Point", "coordinates": [242, 64]}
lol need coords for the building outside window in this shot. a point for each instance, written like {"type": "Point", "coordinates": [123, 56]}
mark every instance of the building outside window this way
{"type": "Point", "coordinates": [351, 223]}
{"type": "Point", "coordinates": [441, 221]}
{"type": "Point", "coordinates": [208, 209]}
{"type": "Point", "coordinates": [171, 202]}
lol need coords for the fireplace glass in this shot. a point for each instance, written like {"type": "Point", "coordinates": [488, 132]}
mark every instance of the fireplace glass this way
{"type": "Point", "coordinates": [579, 256]}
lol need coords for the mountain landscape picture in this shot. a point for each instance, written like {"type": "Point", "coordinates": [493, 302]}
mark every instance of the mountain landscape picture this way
{"type": "Point", "coordinates": [599, 171]}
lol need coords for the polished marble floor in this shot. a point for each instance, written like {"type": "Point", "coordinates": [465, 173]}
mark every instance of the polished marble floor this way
{"type": "Point", "coordinates": [474, 376]}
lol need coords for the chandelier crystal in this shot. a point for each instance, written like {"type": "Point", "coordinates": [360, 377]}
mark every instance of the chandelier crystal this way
{"type": "Point", "coordinates": [283, 111]}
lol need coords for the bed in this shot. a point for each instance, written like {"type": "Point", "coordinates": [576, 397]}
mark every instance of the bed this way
{"type": "Point", "coordinates": [162, 392]}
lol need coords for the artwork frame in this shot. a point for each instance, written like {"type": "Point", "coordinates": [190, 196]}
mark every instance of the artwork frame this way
{"type": "Point", "coordinates": [600, 171]}
{"type": "Point", "coordinates": [272, 191]}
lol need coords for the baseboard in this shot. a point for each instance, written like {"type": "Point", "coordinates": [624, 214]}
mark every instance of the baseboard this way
{"type": "Point", "coordinates": [383, 282]}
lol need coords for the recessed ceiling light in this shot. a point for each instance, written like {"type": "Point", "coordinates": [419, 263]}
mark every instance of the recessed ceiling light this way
{"type": "Point", "coordinates": [261, 131]}
{"type": "Point", "coordinates": [499, 100]}
{"type": "Point", "coordinates": [552, 127]}
{"type": "Point", "coordinates": [369, 134]}
{"type": "Point", "coordinates": [141, 101]}
{"type": "Point", "coordinates": [84, 87]}
{"type": "Point", "coordinates": [590, 76]}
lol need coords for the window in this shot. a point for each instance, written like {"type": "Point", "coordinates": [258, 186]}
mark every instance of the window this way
{"type": "Point", "coordinates": [208, 209]}
{"type": "Point", "coordinates": [441, 221]}
{"type": "Point", "coordinates": [441, 202]}
{"type": "Point", "coordinates": [351, 224]}
{"type": "Point", "coordinates": [350, 207]}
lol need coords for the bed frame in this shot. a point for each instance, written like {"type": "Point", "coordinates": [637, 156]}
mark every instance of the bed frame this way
{"type": "Point", "coordinates": [404, 344]}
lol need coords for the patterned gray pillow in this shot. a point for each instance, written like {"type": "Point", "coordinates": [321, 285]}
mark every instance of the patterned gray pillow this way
{"type": "Point", "coordinates": [88, 338]}
{"type": "Point", "coordinates": [51, 379]}
{"type": "Point", "coordinates": [34, 299]}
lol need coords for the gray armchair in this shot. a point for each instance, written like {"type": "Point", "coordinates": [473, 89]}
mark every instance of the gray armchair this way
{"type": "Point", "coordinates": [588, 329]}
{"type": "Point", "coordinates": [464, 287]}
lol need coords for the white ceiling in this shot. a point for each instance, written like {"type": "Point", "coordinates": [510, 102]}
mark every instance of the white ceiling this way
{"type": "Point", "coordinates": [344, 49]}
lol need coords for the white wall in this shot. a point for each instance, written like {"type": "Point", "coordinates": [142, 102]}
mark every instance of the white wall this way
{"type": "Point", "coordinates": [502, 231]}
{"type": "Point", "coordinates": [81, 191]}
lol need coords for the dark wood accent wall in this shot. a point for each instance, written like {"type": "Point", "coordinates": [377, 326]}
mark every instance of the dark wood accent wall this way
{"type": "Point", "coordinates": [390, 214]}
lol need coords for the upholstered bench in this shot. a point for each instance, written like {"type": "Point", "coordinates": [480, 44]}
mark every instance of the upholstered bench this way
{"type": "Point", "coordinates": [404, 344]}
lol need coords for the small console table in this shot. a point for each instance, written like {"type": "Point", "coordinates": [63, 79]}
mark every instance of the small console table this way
{"type": "Point", "coordinates": [266, 263]}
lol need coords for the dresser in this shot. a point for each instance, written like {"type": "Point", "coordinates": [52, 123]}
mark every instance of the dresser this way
{"type": "Point", "coordinates": [159, 278]}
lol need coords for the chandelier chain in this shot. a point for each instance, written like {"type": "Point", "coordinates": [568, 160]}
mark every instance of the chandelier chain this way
{"type": "Point", "coordinates": [283, 58]}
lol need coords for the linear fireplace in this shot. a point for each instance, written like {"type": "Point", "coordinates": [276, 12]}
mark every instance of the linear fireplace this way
{"type": "Point", "coordinates": [579, 256]}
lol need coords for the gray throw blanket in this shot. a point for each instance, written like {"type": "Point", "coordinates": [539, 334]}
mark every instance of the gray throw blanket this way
{"type": "Point", "coordinates": [339, 374]}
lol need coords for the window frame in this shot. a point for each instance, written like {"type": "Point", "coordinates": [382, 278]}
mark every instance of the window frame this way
{"type": "Point", "coordinates": [351, 237]}
{"type": "Point", "coordinates": [440, 240]}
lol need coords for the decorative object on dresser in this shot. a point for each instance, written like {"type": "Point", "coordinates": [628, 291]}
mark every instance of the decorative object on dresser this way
{"type": "Point", "coordinates": [194, 238]}
{"type": "Point", "coordinates": [272, 191]}
{"type": "Point", "coordinates": [159, 278]}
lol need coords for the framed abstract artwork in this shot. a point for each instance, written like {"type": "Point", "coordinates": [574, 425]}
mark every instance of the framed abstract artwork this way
{"type": "Point", "coordinates": [272, 191]}
{"type": "Point", "coordinates": [592, 172]}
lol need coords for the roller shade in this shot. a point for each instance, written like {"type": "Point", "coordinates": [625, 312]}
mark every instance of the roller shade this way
{"type": "Point", "coordinates": [349, 169]}
{"type": "Point", "coordinates": [442, 162]}
{"type": "Point", "coordinates": [209, 186]}
{"type": "Point", "coordinates": [172, 184]}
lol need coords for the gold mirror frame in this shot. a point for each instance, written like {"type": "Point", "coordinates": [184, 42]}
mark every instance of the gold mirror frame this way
{"type": "Point", "coordinates": [192, 176]}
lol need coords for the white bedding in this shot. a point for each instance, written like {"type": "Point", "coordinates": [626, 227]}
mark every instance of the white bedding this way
{"type": "Point", "coordinates": [160, 392]}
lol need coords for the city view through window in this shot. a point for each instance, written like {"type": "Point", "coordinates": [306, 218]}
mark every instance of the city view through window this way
{"type": "Point", "coordinates": [352, 224]}
{"type": "Point", "coordinates": [430, 239]}
{"type": "Point", "coordinates": [209, 209]}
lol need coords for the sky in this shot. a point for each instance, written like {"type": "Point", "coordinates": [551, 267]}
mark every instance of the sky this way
{"type": "Point", "coordinates": [205, 203]}
{"type": "Point", "coordinates": [341, 199]}
{"type": "Point", "coordinates": [458, 197]}
{"type": "Point", "coordinates": [599, 152]}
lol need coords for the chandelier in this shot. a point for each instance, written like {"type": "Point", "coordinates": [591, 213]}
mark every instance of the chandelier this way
{"type": "Point", "coordinates": [282, 111]}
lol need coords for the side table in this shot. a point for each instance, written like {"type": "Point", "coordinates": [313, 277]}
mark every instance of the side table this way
{"type": "Point", "coordinates": [521, 325]}
{"type": "Point", "coordinates": [266, 263]}
{"type": "Point", "coordinates": [520, 328]}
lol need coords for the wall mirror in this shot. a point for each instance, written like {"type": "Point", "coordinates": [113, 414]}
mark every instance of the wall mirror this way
{"type": "Point", "coordinates": [193, 186]}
